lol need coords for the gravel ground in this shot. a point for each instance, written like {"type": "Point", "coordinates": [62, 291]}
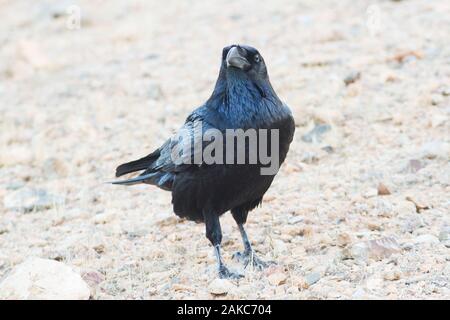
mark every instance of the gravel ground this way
{"type": "Point", "coordinates": [359, 210]}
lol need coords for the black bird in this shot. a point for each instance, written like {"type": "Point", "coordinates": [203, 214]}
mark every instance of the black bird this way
{"type": "Point", "coordinates": [243, 98]}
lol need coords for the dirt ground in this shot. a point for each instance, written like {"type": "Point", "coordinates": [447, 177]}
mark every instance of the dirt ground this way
{"type": "Point", "coordinates": [76, 102]}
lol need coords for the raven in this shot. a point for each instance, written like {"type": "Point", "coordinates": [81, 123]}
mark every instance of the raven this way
{"type": "Point", "coordinates": [243, 98]}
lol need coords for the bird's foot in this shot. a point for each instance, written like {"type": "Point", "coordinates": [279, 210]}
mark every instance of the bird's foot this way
{"type": "Point", "coordinates": [249, 258]}
{"type": "Point", "coordinates": [225, 273]}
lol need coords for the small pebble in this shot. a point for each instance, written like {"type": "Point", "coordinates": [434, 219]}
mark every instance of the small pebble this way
{"type": "Point", "coordinates": [277, 278]}
{"type": "Point", "coordinates": [383, 190]}
{"type": "Point", "coordinates": [426, 238]}
{"type": "Point", "coordinates": [220, 287]}
{"type": "Point", "coordinates": [312, 278]}
{"type": "Point", "coordinates": [352, 77]}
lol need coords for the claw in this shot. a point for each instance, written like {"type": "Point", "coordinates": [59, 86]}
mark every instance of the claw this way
{"type": "Point", "coordinates": [225, 273]}
{"type": "Point", "coordinates": [250, 258]}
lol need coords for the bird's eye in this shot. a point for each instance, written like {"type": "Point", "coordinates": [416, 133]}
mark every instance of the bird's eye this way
{"type": "Point", "coordinates": [257, 58]}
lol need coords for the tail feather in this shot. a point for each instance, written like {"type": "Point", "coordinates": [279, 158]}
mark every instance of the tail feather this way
{"type": "Point", "coordinates": [137, 165]}
{"type": "Point", "coordinates": [164, 180]}
{"type": "Point", "coordinates": [135, 180]}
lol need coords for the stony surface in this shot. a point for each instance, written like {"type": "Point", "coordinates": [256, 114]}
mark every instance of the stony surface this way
{"type": "Point", "coordinates": [75, 103]}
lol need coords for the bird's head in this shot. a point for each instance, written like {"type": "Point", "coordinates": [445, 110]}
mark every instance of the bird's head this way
{"type": "Point", "coordinates": [238, 59]}
{"type": "Point", "coordinates": [243, 69]}
{"type": "Point", "coordinates": [243, 79]}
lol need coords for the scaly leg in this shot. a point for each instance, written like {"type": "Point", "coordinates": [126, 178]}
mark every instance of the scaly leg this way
{"type": "Point", "coordinates": [248, 256]}
{"type": "Point", "coordinates": [214, 234]}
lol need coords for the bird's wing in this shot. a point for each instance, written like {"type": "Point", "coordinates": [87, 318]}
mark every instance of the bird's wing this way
{"type": "Point", "coordinates": [184, 149]}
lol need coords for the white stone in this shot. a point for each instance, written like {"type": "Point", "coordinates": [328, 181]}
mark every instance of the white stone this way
{"type": "Point", "coordinates": [375, 249]}
{"type": "Point", "coordinates": [43, 279]}
{"type": "Point", "coordinates": [220, 286]}
{"type": "Point", "coordinates": [279, 247]}
{"type": "Point", "coordinates": [277, 278]}
{"type": "Point", "coordinates": [444, 236]}
{"type": "Point", "coordinates": [435, 149]}
{"type": "Point", "coordinates": [27, 199]}
{"type": "Point", "coordinates": [426, 238]}
{"type": "Point", "coordinates": [103, 218]}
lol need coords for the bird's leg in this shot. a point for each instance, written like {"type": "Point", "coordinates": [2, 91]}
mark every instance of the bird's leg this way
{"type": "Point", "coordinates": [248, 257]}
{"type": "Point", "coordinates": [224, 272]}
{"type": "Point", "coordinates": [214, 234]}
{"type": "Point", "coordinates": [247, 245]}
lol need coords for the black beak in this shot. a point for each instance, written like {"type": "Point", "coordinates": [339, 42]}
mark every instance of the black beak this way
{"type": "Point", "coordinates": [236, 58]}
